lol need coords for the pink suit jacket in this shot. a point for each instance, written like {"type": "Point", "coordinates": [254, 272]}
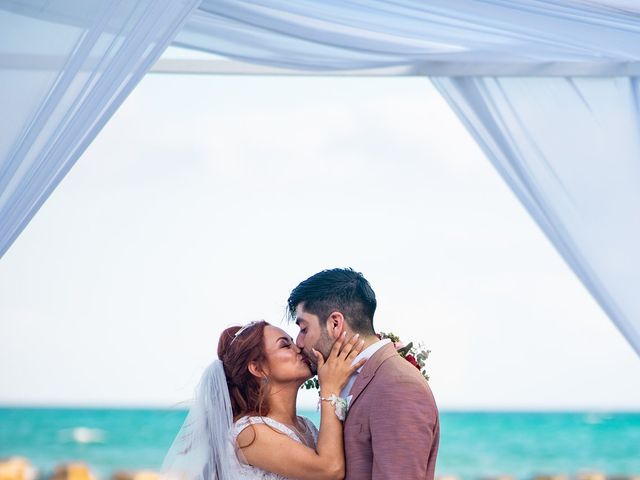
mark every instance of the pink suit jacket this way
{"type": "Point", "coordinates": [392, 429]}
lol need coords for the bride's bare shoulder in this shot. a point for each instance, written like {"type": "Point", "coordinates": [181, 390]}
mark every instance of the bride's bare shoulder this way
{"type": "Point", "coordinates": [246, 429]}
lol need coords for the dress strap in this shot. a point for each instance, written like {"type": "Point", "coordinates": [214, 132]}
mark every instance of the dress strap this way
{"type": "Point", "coordinates": [245, 421]}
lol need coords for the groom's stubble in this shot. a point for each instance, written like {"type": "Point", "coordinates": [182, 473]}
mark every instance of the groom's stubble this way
{"type": "Point", "coordinates": [322, 345]}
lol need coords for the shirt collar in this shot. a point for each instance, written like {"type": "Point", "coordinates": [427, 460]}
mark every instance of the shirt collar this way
{"type": "Point", "coordinates": [368, 352]}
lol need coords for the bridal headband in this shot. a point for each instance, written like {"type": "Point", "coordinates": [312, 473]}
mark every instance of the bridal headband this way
{"type": "Point", "coordinates": [243, 329]}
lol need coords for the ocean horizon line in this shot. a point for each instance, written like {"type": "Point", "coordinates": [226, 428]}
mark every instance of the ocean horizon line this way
{"type": "Point", "coordinates": [185, 406]}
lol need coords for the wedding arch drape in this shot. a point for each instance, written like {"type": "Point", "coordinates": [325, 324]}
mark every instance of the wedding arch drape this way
{"type": "Point", "coordinates": [569, 148]}
{"type": "Point", "coordinates": [549, 89]}
{"type": "Point", "coordinates": [65, 67]}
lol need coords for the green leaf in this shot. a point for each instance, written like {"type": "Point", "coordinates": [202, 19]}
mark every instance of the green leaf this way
{"type": "Point", "coordinates": [310, 384]}
{"type": "Point", "coordinates": [404, 350]}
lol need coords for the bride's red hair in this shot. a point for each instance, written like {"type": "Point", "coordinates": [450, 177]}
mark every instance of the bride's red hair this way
{"type": "Point", "coordinates": [247, 391]}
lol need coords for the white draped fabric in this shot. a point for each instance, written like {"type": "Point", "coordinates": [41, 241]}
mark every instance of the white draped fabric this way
{"type": "Point", "coordinates": [66, 66]}
{"type": "Point", "coordinates": [548, 89]}
{"type": "Point", "coordinates": [415, 37]}
{"type": "Point", "coordinates": [569, 148]}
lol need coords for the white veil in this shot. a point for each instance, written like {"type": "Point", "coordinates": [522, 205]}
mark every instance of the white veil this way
{"type": "Point", "coordinates": [204, 449]}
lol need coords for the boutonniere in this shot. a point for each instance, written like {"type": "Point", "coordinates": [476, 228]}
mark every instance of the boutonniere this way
{"type": "Point", "coordinates": [416, 355]}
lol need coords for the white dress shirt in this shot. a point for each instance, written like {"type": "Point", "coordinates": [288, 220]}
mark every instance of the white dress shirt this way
{"type": "Point", "coordinates": [366, 353]}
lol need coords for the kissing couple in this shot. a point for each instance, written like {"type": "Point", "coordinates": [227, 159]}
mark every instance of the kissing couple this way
{"type": "Point", "coordinates": [378, 418]}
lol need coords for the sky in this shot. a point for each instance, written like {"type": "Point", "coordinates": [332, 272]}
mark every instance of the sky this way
{"type": "Point", "coordinates": [206, 199]}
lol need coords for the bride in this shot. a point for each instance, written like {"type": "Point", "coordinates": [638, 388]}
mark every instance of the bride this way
{"type": "Point", "coordinates": [243, 423]}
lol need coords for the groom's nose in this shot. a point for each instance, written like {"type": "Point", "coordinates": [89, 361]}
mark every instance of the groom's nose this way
{"type": "Point", "coordinates": [299, 342]}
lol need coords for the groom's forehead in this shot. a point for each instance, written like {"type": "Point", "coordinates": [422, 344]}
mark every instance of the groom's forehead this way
{"type": "Point", "coordinates": [303, 317]}
{"type": "Point", "coordinates": [300, 313]}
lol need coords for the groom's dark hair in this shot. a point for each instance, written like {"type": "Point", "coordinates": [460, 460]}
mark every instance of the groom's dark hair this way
{"type": "Point", "coordinates": [339, 289]}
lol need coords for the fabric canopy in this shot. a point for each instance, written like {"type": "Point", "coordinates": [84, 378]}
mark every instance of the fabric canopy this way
{"type": "Point", "coordinates": [549, 89]}
{"type": "Point", "coordinates": [60, 83]}
{"type": "Point", "coordinates": [435, 37]}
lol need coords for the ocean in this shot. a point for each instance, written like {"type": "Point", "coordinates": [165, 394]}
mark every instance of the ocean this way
{"type": "Point", "coordinates": [473, 444]}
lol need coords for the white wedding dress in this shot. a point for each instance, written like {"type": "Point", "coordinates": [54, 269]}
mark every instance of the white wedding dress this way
{"type": "Point", "coordinates": [307, 437]}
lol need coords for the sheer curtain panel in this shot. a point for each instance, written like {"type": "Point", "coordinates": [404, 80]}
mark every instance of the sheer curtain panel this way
{"type": "Point", "coordinates": [65, 67]}
{"type": "Point", "coordinates": [569, 148]}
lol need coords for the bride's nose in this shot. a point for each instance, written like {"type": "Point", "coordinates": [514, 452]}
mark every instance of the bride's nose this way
{"type": "Point", "coordinates": [296, 348]}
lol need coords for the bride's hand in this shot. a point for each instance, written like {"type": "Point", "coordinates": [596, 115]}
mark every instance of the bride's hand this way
{"type": "Point", "coordinates": [334, 372]}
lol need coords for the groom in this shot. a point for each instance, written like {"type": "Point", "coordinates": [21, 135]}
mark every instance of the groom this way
{"type": "Point", "coordinates": [392, 427]}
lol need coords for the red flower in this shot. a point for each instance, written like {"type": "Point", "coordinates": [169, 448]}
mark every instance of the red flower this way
{"type": "Point", "coordinates": [412, 360]}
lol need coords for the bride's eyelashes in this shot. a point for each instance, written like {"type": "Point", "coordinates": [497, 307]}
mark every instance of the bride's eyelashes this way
{"type": "Point", "coordinates": [286, 344]}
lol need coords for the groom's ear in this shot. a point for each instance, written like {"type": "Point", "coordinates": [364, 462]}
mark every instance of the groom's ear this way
{"type": "Point", "coordinates": [336, 324]}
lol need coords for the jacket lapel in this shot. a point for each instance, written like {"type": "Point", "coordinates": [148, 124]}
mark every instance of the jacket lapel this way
{"type": "Point", "coordinates": [369, 370]}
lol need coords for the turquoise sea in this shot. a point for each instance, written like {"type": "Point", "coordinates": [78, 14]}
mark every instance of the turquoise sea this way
{"type": "Point", "coordinates": [473, 444]}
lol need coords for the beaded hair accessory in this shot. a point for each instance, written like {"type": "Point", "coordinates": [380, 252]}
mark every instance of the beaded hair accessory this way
{"type": "Point", "coordinates": [243, 329]}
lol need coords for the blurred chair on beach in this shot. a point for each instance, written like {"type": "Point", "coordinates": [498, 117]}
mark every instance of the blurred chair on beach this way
{"type": "Point", "coordinates": [140, 475]}
{"type": "Point", "coordinates": [17, 468]}
{"type": "Point", "coordinates": [72, 471]}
